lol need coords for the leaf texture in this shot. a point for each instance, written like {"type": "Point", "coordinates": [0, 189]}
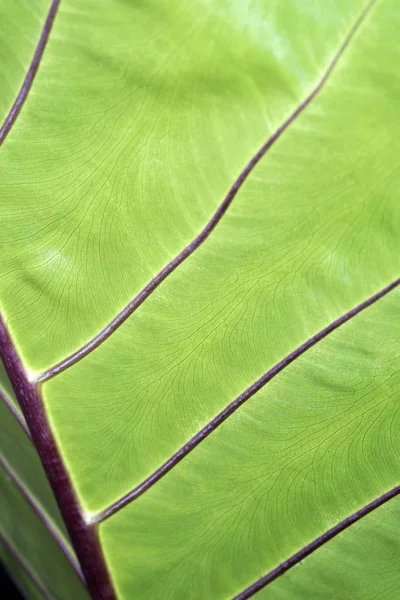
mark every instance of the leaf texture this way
{"type": "Point", "coordinates": [21, 25]}
{"type": "Point", "coordinates": [332, 569]}
{"type": "Point", "coordinates": [199, 263]}
{"type": "Point", "coordinates": [30, 538]}
{"type": "Point", "coordinates": [149, 124]}
{"type": "Point", "coordinates": [306, 451]}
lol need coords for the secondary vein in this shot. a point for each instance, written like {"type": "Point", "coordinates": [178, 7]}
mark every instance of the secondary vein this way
{"type": "Point", "coordinates": [26, 567]}
{"type": "Point", "coordinates": [315, 544]}
{"type": "Point", "coordinates": [134, 304]}
{"type": "Point", "coordinates": [31, 74]}
{"type": "Point", "coordinates": [47, 522]}
{"type": "Point", "coordinates": [233, 406]}
{"type": "Point", "coordinates": [13, 410]}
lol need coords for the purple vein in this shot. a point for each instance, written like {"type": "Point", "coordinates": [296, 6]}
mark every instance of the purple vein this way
{"type": "Point", "coordinates": [25, 567]}
{"type": "Point", "coordinates": [31, 74]}
{"type": "Point", "coordinates": [317, 543]}
{"type": "Point", "coordinates": [203, 235]}
{"type": "Point", "coordinates": [233, 406]}
{"type": "Point", "coordinates": [53, 530]}
{"type": "Point", "coordinates": [12, 408]}
{"type": "Point", "coordinates": [84, 536]}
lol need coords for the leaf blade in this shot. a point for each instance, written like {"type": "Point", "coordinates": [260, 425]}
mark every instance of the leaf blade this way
{"type": "Point", "coordinates": [312, 447]}
{"type": "Point", "coordinates": [241, 303]}
{"type": "Point", "coordinates": [105, 180]}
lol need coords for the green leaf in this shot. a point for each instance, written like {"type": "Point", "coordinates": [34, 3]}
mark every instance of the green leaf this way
{"type": "Point", "coordinates": [337, 569]}
{"type": "Point", "coordinates": [28, 537]}
{"type": "Point", "coordinates": [139, 121]}
{"type": "Point", "coordinates": [312, 447]}
{"type": "Point", "coordinates": [199, 253]}
{"type": "Point", "coordinates": [23, 579]}
{"type": "Point", "coordinates": [21, 25]}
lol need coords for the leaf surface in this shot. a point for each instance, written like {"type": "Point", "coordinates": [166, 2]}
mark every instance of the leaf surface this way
{"type": "Point", "coordinates": [222, 387]}
{"type": "Point", "coordinates": [29, 538]}
{"type": "Point", "coordinates": [139, 121]}
{"type": "Point", "coordinates": [312, 447]}
{"type": "Point", "coordinates": [332, 569]}
{"type": "Point", "coordinates": [21, 25]}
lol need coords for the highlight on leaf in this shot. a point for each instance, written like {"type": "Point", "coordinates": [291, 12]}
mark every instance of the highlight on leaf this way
{"type": "Point", "coordinates": [199, 292]}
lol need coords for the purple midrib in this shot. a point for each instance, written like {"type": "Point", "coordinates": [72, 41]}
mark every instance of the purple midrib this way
{"type": "Point", "coordinates": [103, 587]}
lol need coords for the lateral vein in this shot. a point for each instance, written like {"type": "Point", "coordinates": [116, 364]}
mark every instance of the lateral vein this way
{"type": "Point", "coordinates": [31, 74]}
{"type": "Point", "coordinates": [134, 304]}
{"type": "Point", "coordinates": [17, 415]}
{"type": "Point", "coordinates": [25, 567]}
{"type": "Point", "coordinates": [233, 406]}
{"type": "Point", "coordinates": [47, 522]}
{"type": "Point", "coordinates": [317, 543]}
